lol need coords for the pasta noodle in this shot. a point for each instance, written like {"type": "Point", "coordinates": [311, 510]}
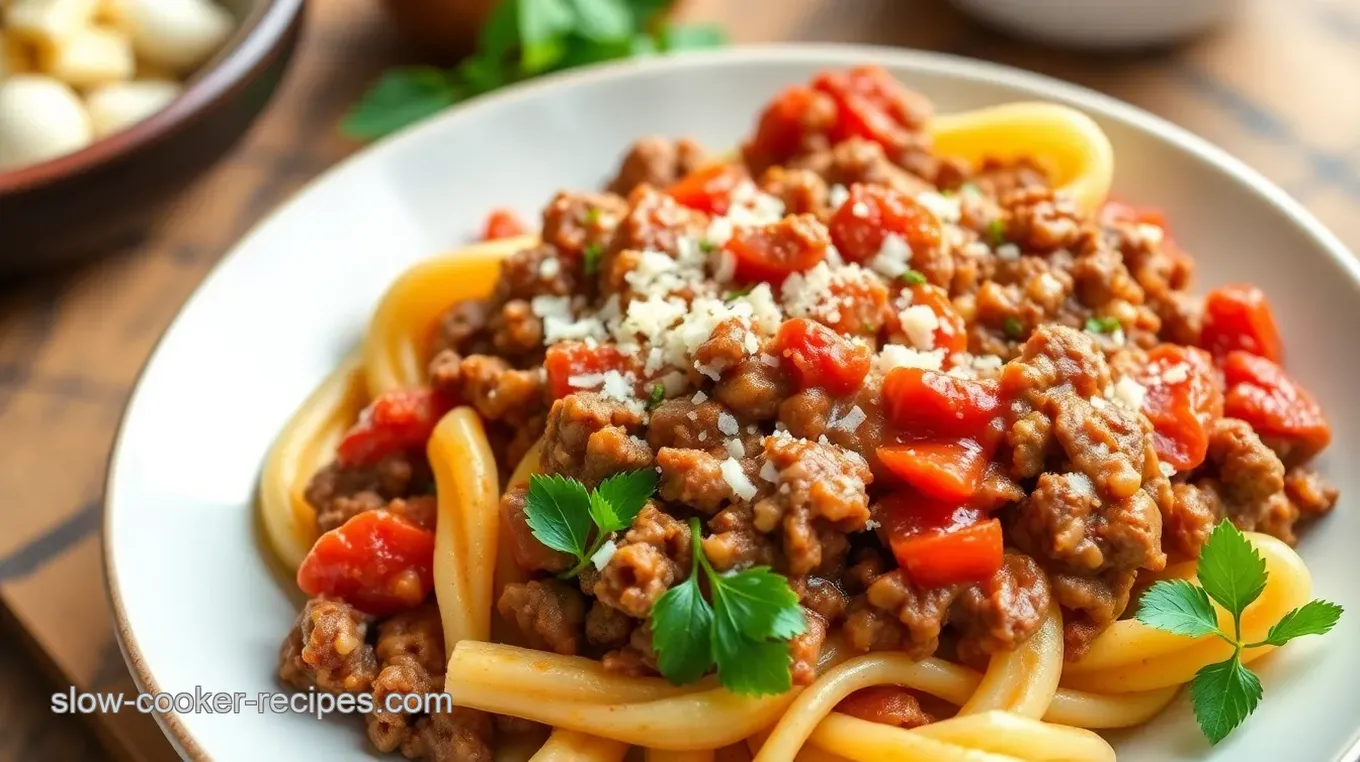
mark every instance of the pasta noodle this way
{"type": "Point", "coordinates": [307, 441]}
{"type": "Point", "coordinates": [1069, 144]}
{"type": "Point", "coordinates": [1029, 705]}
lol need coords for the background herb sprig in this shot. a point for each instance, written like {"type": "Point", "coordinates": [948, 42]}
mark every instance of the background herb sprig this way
{"type": "Point", "coordinates": [522, 39]}
{"type": "Point", "coordinates": [1232, 574]}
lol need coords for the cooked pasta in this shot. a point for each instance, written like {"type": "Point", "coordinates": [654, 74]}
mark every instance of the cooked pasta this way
{"type": "Point", "coordinates": [847, 358]}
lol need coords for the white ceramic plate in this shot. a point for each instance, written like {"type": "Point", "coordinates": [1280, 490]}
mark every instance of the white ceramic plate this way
{"type": "Point", "coordinates": [199, 606]}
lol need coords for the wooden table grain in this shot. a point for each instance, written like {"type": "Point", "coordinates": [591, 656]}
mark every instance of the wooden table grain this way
{"type": "Point", "coordinates": [1274, 86]}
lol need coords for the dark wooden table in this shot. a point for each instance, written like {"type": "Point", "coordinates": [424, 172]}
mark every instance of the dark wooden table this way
{"type": "Point", "coordinates": [1275, 86]}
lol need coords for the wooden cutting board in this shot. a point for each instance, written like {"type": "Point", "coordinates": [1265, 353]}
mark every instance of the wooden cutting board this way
{"type": "Point", "coordinates": [1274, 87]}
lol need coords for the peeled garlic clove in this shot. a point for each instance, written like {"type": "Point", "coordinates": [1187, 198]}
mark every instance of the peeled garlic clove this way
{"type": "Point", "coordinates": [177, 34]}
{"type": "Point", "coordinates": [48, 21]}
{"type": "Point", "coordinates": [40, 118]}
{"type": "Point", "coordinates": [92, 56]}
{"type": "Point", "coordinates": [120, 105]}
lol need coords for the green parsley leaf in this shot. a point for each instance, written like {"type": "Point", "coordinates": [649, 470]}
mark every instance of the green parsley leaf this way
{"type": "Point", "coordinates": [737, 293]}
{"type": "Point", "coordinates": [1102, 325]}
{"type": "Point", "coordinates": [1230, 570]}
{"type": "Point", "coordinates": [1013, 328]}
{"type": "Point", "coordinates": [759, 603]}
{"type": "Point", "coordinates": [996, 231]}
{"type": "Point", "coordinates": [400, 97]}
{"type": "Point", "coordinates": [603, 20]}
{"type": "Point", "coordinates": [1312, 618]}
{"type": "Point", "coordinates": [623, 496]}
{"type": "Point", "coordinates": [681, 624]}
{"type": "Point", "coordinates": [500, 32]}
{"type": "Point", "coordinates": [1178, 607]}
{"type": "Point", "coordinates": [691, 37]}
{"type": "Point", "coordinates": [707, 246]}
{"type": "Point", "coordinates": [558, 512]}
{"type": "Point", "coordinates": [543, 28]}
{"type": "Point", "coordinates": [1223, 695]}
{"type": "Point", "coordinates": [914, 278]}
{"type": "Point", "coordinates": [657, 396]}
{"type": "Point", "coordinates": [748, 666]}
{"type": "Point", "coordinates": [592, 215]}
{"type": "Point", "coordinates": [591, 258]}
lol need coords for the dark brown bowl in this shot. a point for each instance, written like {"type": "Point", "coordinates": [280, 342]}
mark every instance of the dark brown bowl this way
{"type": "Point", "coordinates": [82, 203]}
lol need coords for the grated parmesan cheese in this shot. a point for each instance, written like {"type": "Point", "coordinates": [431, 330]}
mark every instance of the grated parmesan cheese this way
{"type": "Point", "coordinates": [1167, 469]}
{"type": "Point", "coordinates": [769, 473]}
{"type": "Point", "coordinates": [919, 323]}
{"type": "Point", "coordinates": [549, 267]}
{"type": "Point", "coordinates": [897, 356]}
{"type": "Point", "coordinates": [946, 208]}
{"type": "Point", "coordinates": [893, 257]}
{"type": "Point", "coordinates": [735, 448]}
{"type": "Point", "coordinates": [1176, 373]}
{"type": "Point", "coordinates": [1129, 393]}
{"type": "Point", "coordinates": [871, 525]}
{"type": "Point", "coordinates": [727, 424]}
{"type": "Point", "coordinates": [737, 479]}
{"type": "Point", "coordinates": [837, 196]}
{"type": "Point", "coordinates": [586, 380]}
{"type": "Point", "coordinates": [601, 557]}
{"type": "Point", "coordinates": [699, 397]}
{"type": "Point", "coordinates": [850, 422]}
{"type": "Point", "coordinates": [1008, 252]}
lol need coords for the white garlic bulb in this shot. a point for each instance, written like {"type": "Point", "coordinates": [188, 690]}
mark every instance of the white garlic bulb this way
{"type": "Point", "coordinates": [177, 34]}
{"type": "Point", "coordinates": [117, 106]}
{"type": "Point", "coordinates": [40, 118]}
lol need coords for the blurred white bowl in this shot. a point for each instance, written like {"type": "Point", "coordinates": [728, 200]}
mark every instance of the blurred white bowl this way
{"type": "Point", "coordinates": [1101, 23]}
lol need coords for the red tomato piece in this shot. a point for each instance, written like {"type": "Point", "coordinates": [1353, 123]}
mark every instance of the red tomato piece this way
{"type": "Point", "coordinates": [774, 252]}
{"type": "Point", "coordinates": [377, 562]}
{"type": "Point", "coordinates": [815, 355]}
{"type": "Point", "coordinates": [870, 104]}
{"type": "Point", "coordinates": [951, 334]}
{"type": "Point", "coordinates": [708, 189]}
{"type": "Point", "coordinates": [790, 117]}
{"type": "Point", "coordinates": [1183, 398]}
{"type": "Point", "coordinates": [1238, 317]}
{"type": "Point", "coordinates": [862, 306]}
{"type": "Point", "coordinates": [1263, 395]}
{"type": "Point", "coordinates": [503, 223]}
{"type": "Point", "coordinates": [884, 704]}
{"type": "Point", "coordinates": [949, 470]}
{"type": "Point", "coordinates": [927, 403]}
{"type": "Point", "coordinates": [395, 421]}
{"type": "Point", "coordinates": [568, 359]}
{"type": "Point", "coordinates": [940, 543]}
{"type": "Point", "coordinates": [872, 212]}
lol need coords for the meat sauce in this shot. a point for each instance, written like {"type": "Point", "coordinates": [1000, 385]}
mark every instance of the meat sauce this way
{"type": "Point", "coordinates": [937, 398]}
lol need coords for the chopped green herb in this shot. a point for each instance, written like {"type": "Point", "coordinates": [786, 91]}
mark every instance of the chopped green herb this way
{"type": "Point", "coordinates": [591, 258]}
{"type": "Point", "coordinates": [523, 39]}
{"type": "Point", "coordinates": [914, 278]}
{"type": "Point", "coordinates": [1013, 328]}
{"type": "Point", "coordinates": [562, 514]}
{"type": "Point", "coordinates": [658, 394]}
{"type": "Point", "coordinates": [592, 215]}
{"type": "Point", "coordinates": [996, 232]}
{"type": "Point", "coordinates": [1102, 325]}
{"type": "Point", "coordinates": [1232, 574]}
{"type": "Point", "coordinates": [745, 631]}
{"type": "Point", "coordinates": [707, 247]}
{"type": "Point", "coordinates": [737, 293]}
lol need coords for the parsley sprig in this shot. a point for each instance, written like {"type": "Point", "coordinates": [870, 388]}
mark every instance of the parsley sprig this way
{"type": "Point", "coordinates": [745, 631]}
{"type": "Point", "coordinates": [1102, 324]}
{"type": "Point", "coordinates": [561, 513]}
{"type": "Point", "coordinates": [1232, 574]}
{"type": "Point", "coordinates": [523, 39]}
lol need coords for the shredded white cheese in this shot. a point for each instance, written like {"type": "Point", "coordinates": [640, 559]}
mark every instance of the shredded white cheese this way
{"type": "Point", "coordinates": [1008, 252]}
{"type": "Point", "coordinates": [601, 557]}
{"type": "Point", "coordinates": [1167, 469]}
{"type": "Point", "coordinates": [1176, 373]}
{"type": "Point", "coordinates": [850, 421]}
{"type": "Point", "coordinates": [727, 424]}
{"type": "Point", "coordinates": [919, 323]}
{"type": "Point", "coordinates": [946, 208]}
{"type": "Point", "coordinates": [549, 267]}
{"type": "Point", "coordinates": [893, 257]}
{"type": "Point", "coordinates": [837, 196]}
{"type": "Point", "coordinates": [897, 356]}
{"type": "Point", "coordinates": [769, 473]}
{"type": "Point", "coordinates": [735, 448]}
{"type": "Point", "coordinates": [585, 380]}
{"type": "Point", "coordinates": [737, 480]}
{"type": "Point", "coordinates": [699, 397]}
{"type": "Point", "coordinates": [1129, 393]}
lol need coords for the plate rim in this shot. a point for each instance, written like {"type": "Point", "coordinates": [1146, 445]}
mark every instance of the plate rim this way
{"type": "Point", "coordinates": [948, 64]}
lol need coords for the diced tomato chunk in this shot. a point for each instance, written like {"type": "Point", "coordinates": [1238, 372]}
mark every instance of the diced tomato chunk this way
{"type": "Point", "coordinates": [940, 543]}
{"type": "Point", "coordinates": [1263, 395]}
{"type": "Point", "coordinates": [503, 223]}
{"type": "Point", "coordinates": [951, 333]}
{"type": "Point", "coordinates": [870, 104]}
{"type": "Point", "coordinates": [873, 212]}
{"type": "Point", "coordinates": [377, 562]}
{"type": "Point", "coordinates": [861, 306]}
{"type": "Point", "coordinates": [1238, 317]}
{"type": "Point", "coordinates": [567, 359]}
{"type": "Point", "coordinates": [708, 189]}
{"type": "Point", "coordinates": [774, 252]}
{"type": "Point", "coordinates": [815, 355]}
{"type": "Point", "coordinates": [792, 115]}
{"type": "Point", "coordinates": [884, 704]}
{"type": "Point", "coordinates": [928, 404]}
{"type": "Point", "coordinates": [1183, 398]}
{"type": "Point", "coordinates": [395, 421]}
{"type": "Point", "coordinates": [945, 470]}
